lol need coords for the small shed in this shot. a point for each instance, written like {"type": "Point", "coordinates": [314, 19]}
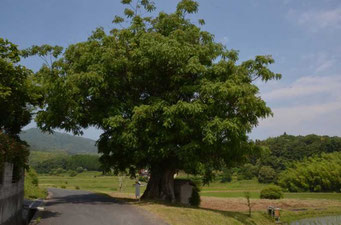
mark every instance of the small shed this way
{"type": "Point", "coordinates": [183, 189]}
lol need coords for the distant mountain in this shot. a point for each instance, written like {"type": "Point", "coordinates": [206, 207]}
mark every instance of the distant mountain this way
{"type": "Point", "coordinates": [57, 142]}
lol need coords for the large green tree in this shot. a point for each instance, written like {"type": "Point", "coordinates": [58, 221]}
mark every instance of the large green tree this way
{"type": "Point", "coordinates": [166, 95]}
{"type": "Point", "coordinates": [18, 93]}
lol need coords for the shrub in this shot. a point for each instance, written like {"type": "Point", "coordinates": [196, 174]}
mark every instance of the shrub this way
{"type": "Point", "coordinates": [195, 200]}
{"type": "Point", "coordinates": [266, 174]}
{"type": "Point", "coordinates": [226, 176]}
{"type": "Point", "coordinates": [314, 174]}
{"type": "Point", "coordinates": [198, 182]}
{"type": "Point", "coordinates": [13, 151]}
{"type": "Point", "coordinates": [57, 171]}
{"type": "Point", "coordinates": [72, 173]}
{"type": "Point", "coordinates": [271, 192]}
{"type": "Point", "coordinates": [79, 169]}
{"type": "Point", "coordinates": [247, 172]}
{"type": "Point", "coordinates": [63, 186]}
{"type": "Point", "coordinates": [32, 174]}
{"type": "Point", "coordinates": [77, 187]}
{"type": "Point", "coordinates": [31, 188]}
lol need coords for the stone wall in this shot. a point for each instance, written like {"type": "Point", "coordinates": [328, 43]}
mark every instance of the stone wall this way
{"type": "Point", "coordinates": [11, 197]}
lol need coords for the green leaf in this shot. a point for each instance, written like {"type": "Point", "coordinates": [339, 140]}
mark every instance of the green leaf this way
{"type": "Point", "coordinates": [201, 22]}
{"type": "Point", "coordinates": [129, 13]}
{"type": "Point", "coordinates": [118, 19]}
{"type": "Point", "coordinates": [126, 2]}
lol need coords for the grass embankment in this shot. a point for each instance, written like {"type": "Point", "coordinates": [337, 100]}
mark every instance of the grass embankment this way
{"type": "Point", "coordinates": [221, 203]}
{"type": "Point", "coordinates": [31, 187]}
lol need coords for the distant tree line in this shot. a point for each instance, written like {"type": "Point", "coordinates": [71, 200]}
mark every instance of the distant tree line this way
{"type": "Point", "coordinates": [51, 162]}
{"type": "Point", "coordinates": [283, 153]}
{"type": "Point", "coordinates": [286, 149]}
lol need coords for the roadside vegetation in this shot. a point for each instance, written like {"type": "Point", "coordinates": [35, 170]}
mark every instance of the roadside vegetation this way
{"type": "Point", "coordinates": [32, 189]}
{"type": "Point", "coordinates": [221, 202]}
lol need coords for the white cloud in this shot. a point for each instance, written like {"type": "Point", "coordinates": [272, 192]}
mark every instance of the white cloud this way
{"type": "Point", "coordinates": [325, 65]}
{"type": "Point", "coordinates": [295, 116]}
{"type": "Point", "coordinates": [316, 20]}
{"type": "Point", "coordinates": [321, 119]}
{"type": "Point", "coordinates": [307, 86]}
{"type": "Point", "coordinates": [319, 62]}
{"type": "Point", "coordinates": [311, 104]}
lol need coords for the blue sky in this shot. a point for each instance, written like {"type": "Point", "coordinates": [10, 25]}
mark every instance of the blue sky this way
{"type": "Point", "coordinates": [304, 37]}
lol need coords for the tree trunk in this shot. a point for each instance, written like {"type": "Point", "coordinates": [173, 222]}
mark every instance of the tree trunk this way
{"type": "Point", "coordinates": [160, 185]}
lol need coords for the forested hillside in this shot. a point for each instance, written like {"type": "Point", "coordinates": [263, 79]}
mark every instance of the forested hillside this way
{"type": "Point", "coordinates": [285, 149]}
{"type": "Point", "coordinates": [58, 162]}
{"type": "Point", "coordinates": [284, 153]}
{"type": "Point", "coordinates": [57, 142]}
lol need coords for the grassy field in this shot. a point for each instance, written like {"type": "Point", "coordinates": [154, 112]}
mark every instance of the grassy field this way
{"type": "Point", "coordinates": [236, 189]}
{"type": "Point", "coordinates": [94, 181]}
{"type": "Point", "coordinates": [91, 181]}
{"type": "Point", "coordinates": [222, 203]}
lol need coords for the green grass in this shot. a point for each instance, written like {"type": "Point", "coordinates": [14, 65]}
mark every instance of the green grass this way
{"type": "Point", "coordinates": [32, 191]}
{"type": "Point", "coordinates": [229, 194]}
{"type": "Point", "coordinates": [290, 216]}
{"type": "Point", "coordinates": [91, 181]}
{"type": "Point", "coordinates": [256, 194]}
{"type": "Point", "coordinates": [235, 185]}
{"type": "Point", "coordinates": [180, 215]}
{"type": "Point", "coordinates": [236, 189]}
{"type": "Point", "coordinates": [329, 196]}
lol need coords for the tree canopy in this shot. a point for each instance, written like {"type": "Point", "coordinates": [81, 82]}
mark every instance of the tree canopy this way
{"type": "Point", "coordinates": [18, 92]}
{"type": "Point", "coordinates": [167, 96]}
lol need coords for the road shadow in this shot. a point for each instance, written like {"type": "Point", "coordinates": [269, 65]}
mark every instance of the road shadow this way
{"type": "Point", "coordinates": [86, 198]}
{"type": "Point", "coordinates": [48, 214]}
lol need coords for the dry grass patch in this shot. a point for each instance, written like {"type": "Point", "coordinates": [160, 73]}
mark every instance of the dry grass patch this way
{"type": "Point", "coordinates": [239, 204]}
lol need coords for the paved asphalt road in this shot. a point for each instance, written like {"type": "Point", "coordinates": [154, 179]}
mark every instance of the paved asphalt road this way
{"type": "Point", "coordinates": [71, 207]}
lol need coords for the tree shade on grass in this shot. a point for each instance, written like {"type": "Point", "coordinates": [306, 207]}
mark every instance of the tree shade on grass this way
{"type": "Point", "coordinates": [165, 94]}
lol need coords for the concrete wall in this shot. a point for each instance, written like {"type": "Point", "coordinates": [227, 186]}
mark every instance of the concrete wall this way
{"type": "Point", "coordinates": [11, 198]}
